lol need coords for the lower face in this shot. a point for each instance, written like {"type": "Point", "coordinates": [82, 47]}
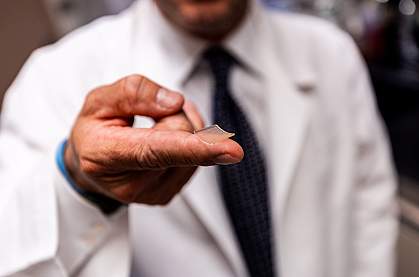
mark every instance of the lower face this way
{"type": "Point", "coordinates": [204, 18]}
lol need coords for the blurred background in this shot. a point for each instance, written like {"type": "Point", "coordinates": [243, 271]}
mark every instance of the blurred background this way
{"type": "Point", "coordinates": [386, 31]}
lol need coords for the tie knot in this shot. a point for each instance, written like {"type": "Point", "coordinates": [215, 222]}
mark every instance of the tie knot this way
{"type": "Point", "coordinates": [220, 62]}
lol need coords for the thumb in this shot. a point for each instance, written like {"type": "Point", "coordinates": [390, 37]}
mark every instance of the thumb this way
{"type": "Point", "coordinates": [158, 149]}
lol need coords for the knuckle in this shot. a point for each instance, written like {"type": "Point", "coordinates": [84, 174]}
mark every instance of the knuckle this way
{"type": "Point", "coordinates": [143, 89]}
{"type": "Point", "coordinates": [131, 83]}
{"type": "Point", "coordinates": [148, 155]}
{"type": "Point", "coordinates": [181, 125]}
{"type": "Point", "coordinates": [178, 122]}
{"type": "Point", "coordinates": [94, 102]}
{"type": "Point", "coordinates": [153, 158]}
{"type": "Point", "coordinates": [88, 168]}
{"type": "Point", "coordinates": [135, 83]}
{"type": "Point", "coordinates": [135, 87]}
{"type": "Point", "coordinates": [195, 153]}
{"type": "Point", "coordinates": [185, 125]}
{"type": "Point", "coordinates": [92, 98]}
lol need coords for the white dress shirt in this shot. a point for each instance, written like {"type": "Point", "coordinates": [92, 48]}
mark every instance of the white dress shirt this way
{"type": "Point", "coordinates": [307, 95]}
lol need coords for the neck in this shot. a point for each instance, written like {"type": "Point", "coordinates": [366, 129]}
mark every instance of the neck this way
{"type": "Point", "coordinates": [214, 32]}
{"type": "Point", "coordinates": [231, 25]}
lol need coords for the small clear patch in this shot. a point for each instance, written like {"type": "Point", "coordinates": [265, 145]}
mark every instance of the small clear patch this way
{"type": "Point", "coordinates": [213, 134]}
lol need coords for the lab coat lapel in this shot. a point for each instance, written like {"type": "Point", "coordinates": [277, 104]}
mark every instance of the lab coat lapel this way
{"type": "Point", "coordinates": [289, 108]}
{"type": "Point", "coordinates": [290, 89]}
{"type": "Point", "coordinates": [206, 202]}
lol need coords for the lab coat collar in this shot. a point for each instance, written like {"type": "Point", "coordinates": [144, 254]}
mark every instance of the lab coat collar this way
{"type": "Point", "coordinates": [165, 54]}
{"type": "Point", "coordinates": [242, 43]}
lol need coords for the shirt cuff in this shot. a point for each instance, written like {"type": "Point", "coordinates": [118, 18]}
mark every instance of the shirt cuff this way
{"type": "Point", "coordinates": [105, 204]}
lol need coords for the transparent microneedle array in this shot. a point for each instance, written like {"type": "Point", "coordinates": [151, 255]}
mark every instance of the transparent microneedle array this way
{"type": "Point", "coordinates": [213, 134]}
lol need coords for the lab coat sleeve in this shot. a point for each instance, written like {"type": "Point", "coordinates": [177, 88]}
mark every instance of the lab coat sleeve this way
{"type": "Point", "coordinates": [374, 222]}
{"type": "Point", "coordinates": [46, 228]}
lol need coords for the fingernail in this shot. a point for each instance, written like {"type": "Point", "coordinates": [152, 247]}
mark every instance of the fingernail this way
{"type": "Point", "coordinates": [225, 159]}
{"type": "Point", "coordinates": [167, 99]}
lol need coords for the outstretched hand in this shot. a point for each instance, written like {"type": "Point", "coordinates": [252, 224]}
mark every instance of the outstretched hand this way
{"type": "Point", "coordinates": [105, 154]}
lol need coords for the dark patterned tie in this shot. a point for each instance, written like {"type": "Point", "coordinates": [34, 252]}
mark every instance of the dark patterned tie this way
{"type": "Point", "coordinates": [244, 186]}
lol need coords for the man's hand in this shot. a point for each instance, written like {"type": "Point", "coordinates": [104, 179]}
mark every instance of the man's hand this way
{"type": "Point", "coordinates": [106, 155]}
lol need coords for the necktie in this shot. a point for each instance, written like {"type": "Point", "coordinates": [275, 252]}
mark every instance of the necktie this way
{"type": "Point", "coordinates": [244, 185]}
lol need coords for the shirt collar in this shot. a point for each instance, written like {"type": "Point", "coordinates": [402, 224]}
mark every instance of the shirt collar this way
{"type": "Point", "coordinates": [169, 55]}
{"type": "Point", "coordinates": [246, 43]}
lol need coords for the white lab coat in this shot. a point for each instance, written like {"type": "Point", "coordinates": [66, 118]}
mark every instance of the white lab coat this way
{"type": "Point", "coordinates": [332, 184]}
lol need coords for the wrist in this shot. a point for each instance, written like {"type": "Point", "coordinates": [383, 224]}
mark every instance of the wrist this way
{"type": "Point", "coordinates": [72, 166]}
{"type": "Point", "coordinates": [66, 162]}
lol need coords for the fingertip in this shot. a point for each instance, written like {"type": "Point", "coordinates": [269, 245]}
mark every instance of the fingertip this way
{"type": "Point", "coordinates": [193, 115]}
{"type": "Point", "coordinates": [233, 155]}
{"type": "Point", "coordinates": [224, 152]}
{"type": "Point", "coordinates": [234, 150]}
{"type": "Point", "coordinates": [169, 100]}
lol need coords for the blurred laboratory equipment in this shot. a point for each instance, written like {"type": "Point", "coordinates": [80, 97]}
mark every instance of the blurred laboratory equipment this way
{"type": "Point", "coordinates": [28, 24]}
{"type": "Point", "coordinates": [24, 26]}
{"type": "Point", "coordinates": [387, 32]}
{"type": "Point", "coordinates": [70, 14]}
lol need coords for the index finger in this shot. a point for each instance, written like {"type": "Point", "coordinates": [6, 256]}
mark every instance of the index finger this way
{"type": "Point", "coordinates": [133, 95]}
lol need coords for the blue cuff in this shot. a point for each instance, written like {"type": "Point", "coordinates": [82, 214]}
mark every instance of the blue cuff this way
{"type": "Point", "coordinates": [105, 204]}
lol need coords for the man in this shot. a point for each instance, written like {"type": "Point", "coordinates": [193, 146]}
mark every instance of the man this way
{"type": "Point", "coordinates": [313, 195]}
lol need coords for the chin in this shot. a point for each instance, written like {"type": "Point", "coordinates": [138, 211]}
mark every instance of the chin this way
{"type": "Point", "coordinates": [209, 18]}
{"type": "Point", "coordinates": [204, 18]}
{"type": "Point", "coordinates": [205, 12]}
